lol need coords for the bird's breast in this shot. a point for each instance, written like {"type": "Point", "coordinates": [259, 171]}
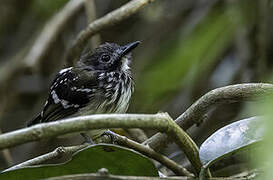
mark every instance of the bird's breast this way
{"type": "Point", "coordinates": [117, 89]}
{"type": "Point", "coordinates": [113, 93]}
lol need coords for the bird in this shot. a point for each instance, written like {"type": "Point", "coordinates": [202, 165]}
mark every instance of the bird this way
{"type": "Point", "coordinates": [100, 82]}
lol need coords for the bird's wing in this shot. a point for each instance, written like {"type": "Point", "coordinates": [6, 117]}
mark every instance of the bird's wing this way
{"type": "Point", "coordinates": [71, 90]}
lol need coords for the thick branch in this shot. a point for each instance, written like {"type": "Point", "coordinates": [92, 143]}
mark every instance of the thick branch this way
{"type": "Point", "coordinates": [57, 153]}
{"type": "Point", "coordinates": [162, 122]}
{"type": "Point", "coordinates": [121, 140]}
{"type": "Point", "coordinates": [176, 168]}
{"type": "Point", "coordinates": [84, 123]}
{"type": "Point", "coordinates": [196, 111]}
{"type": "Point", "coordinates": [109, 19]}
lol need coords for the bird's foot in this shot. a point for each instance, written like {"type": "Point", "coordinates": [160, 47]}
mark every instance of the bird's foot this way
{"type": "Point", "coordinates": [111, 135]}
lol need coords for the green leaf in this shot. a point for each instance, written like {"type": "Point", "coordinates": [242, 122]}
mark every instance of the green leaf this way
{"type": "Point", "coordinates": [230, 139]}
{"type": "Point", "coordinates": [118, 160]}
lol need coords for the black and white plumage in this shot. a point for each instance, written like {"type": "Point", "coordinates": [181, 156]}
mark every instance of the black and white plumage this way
{"type": "Point", "coordinates": [101, 82]}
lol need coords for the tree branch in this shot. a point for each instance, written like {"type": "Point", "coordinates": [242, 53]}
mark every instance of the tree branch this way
{"type": "Point", "coordinates": [162, 122]}
{"type": "Point", "coordinates": [57, 153]}
{"type": "Point", "coordinates": [97, 176]}
{"type": "Point", "coordinates": [109, 19]}
{"type": "Point", "coordinates": [121, 140]}
{"type": "Point", "coordinates": [176, 168]}
{"type": "Point", "coordinates": [196, 111]}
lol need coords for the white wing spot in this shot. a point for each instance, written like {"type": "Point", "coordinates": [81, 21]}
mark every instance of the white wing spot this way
{"type": "Point", "coordinates": [84, 90]}
{"type": "Point", "coordinates": [64, 103]}
{"type": "Point", "coordinates": [55, 97]}
{"type": "Point", "coordinates": [64, 70]}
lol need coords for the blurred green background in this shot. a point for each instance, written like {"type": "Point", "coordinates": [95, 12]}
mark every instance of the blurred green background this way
{"type": "Point", "coordinates": [188, 48]}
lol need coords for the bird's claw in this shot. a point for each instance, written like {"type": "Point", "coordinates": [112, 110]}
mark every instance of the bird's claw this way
{"type": "Point", "coordinates": [110, 134]}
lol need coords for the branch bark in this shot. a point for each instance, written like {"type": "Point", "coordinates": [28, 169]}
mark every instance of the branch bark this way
{"type": "Point", "coordinates": [57, 153]}
{"type": "Point", "coordinates": [196, 111]}
{"type": "Point", "coordinates": [109, 19]}
{"type": "Point", "coordinates": [97, 176]}
{"type": "Point", "coordinates": [162, 122]}
{"type": "Point", "coordinates": [173, 166]}
{"type": "Point", "coordinates": [121, 140]}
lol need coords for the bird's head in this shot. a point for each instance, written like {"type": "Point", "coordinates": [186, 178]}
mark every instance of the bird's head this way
{"type": "Point", "coordinates": [109, 57]}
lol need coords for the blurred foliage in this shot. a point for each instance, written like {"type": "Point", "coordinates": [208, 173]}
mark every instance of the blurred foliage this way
{"type": "Point", "coordinates": [195, 51]}
{"type": "Point", "coordinates": [264, 155]}
{"type": "Point", "coordinates": [182, 61]}
{"type": "Point", "coordinates": [45, 9]}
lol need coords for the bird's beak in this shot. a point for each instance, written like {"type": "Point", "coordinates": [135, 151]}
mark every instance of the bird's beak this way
{"type": "Point", "coordinates": [129, 47]}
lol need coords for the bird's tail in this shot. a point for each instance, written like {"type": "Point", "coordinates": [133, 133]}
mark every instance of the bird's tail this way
{"type": "Point", "coordinates": [34, 121]}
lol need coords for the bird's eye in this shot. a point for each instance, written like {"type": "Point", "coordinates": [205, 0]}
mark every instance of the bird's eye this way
{"type": "Point", "coordinates": [105, 58]}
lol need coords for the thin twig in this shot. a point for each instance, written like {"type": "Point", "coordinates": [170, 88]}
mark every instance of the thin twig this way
{"type": "Point", "coordinates": [96, 176]}
{"type": "Point", "coordinates": [176, 168]}
{"type": "Point", "coordinates": [196, 111]}
{"type": "Point", "coordinates": [109, 19]}
{"type": "Point", "coordinates": [57, 153]}
{"type": "Point", "coordinates": [84, 123]}
{"type": "Point", "coordinates": [161, 121]}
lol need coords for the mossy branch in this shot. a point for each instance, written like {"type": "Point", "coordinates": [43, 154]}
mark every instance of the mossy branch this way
{"type": "Point", "coordinates": [57, 153]}
{"type": "Point", "coordinates": [161, 122]}
{"type": "Point", "coordinates": [165, 161]}
{"type": "Point", "coordinates": [196, 111]}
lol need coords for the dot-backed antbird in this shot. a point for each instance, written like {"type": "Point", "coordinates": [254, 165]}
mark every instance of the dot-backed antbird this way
{"type": "Point", "coordinates": [101, 82]}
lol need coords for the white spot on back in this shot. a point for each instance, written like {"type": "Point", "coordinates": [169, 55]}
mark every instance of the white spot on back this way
{"type": "Point", "coordinates": [64, 103]}
{"type": "Point", "coordinates": [65, 70]}
{"type": "Point", "coordinates": [84, 90]}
